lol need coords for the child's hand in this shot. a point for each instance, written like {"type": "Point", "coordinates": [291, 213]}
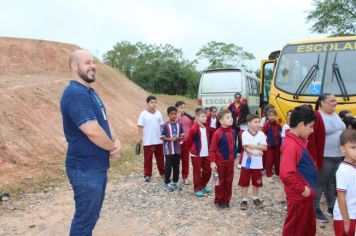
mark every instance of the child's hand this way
{"type": "Point", "coordinates": [306, 192]}
{"type": "Point", "coordinates": [346, 225]}
{"type": "Point", "coordinates": [213, 166]}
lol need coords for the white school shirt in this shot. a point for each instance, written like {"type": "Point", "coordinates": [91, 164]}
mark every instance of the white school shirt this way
{"type": "Point", "coordinates": [213, 123]}
{"type": "Point", "coordinates": [284, 129]}
{"type": "Point", "coordinates": [248, 138]}
{"type": "Point", "coordinates": [204, 152]}
{"type": "Point", "coordinates": [346, 182]}
{"type": "Point", "coordinates": [151, 123]}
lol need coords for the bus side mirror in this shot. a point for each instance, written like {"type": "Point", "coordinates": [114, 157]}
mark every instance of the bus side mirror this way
{"type": "Point", "coordinates": [274, 55]}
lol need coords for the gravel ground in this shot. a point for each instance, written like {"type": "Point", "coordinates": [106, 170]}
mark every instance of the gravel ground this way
{"type": "Point", "coordinates": [134, 207]}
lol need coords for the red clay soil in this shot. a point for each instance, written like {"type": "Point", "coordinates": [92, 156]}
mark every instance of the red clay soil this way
{"type": "Point", "coordinates": [33, 74]}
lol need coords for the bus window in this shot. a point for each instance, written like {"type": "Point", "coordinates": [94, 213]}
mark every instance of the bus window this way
{"type": "Point", "coordinates": [346, 62]}
{"type": "Point", "coordinates": [225, 81]}
{"type": "Point", "coordinates": [253, 86]}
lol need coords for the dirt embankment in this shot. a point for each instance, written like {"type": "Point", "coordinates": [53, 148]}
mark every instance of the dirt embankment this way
{"type": "Point", "coordinates": [33, 74]}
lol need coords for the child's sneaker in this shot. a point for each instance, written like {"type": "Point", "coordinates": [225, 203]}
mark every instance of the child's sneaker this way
{"type": "Point", "coordinates": [199, 193]}
{"type": "Point", "coordinates": [243, 205]}
{"type": "Point", "coordinates": [162, 176]}
{"type": "Point", "coordinates": [168, 188]}
{"type": "Point", "coordinates": [270, 179]}
{"type": "Point", "coordinates": [239, 166]}
{"type": "Point", "coordinates": [329, 212]}
{"type": "Point", "coordinates": [185, 182]}
{"type": "Point", "coordinates": [224, 205]}
{"type": "Point", "coordinates": [147, 178]}
{"type": "Point", "coordinates": [177, 187]}
{"type": "Point", "coordinates": [206, 189]}
{"type": "Point", "coordinates": [258, 203]}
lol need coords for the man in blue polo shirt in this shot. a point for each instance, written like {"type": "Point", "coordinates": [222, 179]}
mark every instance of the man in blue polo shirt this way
{"type": "Point", "coordinates": [91, 142]}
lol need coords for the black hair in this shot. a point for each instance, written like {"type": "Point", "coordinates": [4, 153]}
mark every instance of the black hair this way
{"type": "Point", "coordinates": [251, 117]}
{"type": "Point", "coordinates": [322, 97]}
{"type": "Point", "coordinates": [222, 113]}
{"type": "Point", "coordinates": [353, 124]}
{"type": "Point", "coordinates": [199, 111]}
{"type": "Point", "coordinates": [303, 114]}
{"type": "Point", "coordinates": [347, 136]}
{"type": "Point", "coordinates": [149, 98]}
{"type": "Point", "coordinates": [179, 103]}
{"type": "Point", "coordinates": [170, 109]}
{"type": "Point", "coordinates": [343, 113]}
{"type": "Point", "coordinates": [207, 108]}
{"type": "Point", "coordinates": [213, 107]}
{"type": "Point", "coordinates": [348, 120]}
{"type": "Point", "coordinates": [244, 111]}
{"type": "Point", "coordinates": [238, 94]}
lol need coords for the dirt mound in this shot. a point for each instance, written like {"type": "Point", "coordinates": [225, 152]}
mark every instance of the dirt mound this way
{"type": "Point", "coordinates": [33, 74]}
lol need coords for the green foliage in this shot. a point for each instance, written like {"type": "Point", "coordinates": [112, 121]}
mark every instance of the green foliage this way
{"type": "Point", "coordinates": [334, 17]}
{"type": "Point", "coordinates": [223, 55]}
{"type": "Point", "coordinates": [156, 68]}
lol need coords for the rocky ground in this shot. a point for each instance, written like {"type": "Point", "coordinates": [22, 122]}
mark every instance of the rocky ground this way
{"type": "Point", "coordinates": [134, 207]}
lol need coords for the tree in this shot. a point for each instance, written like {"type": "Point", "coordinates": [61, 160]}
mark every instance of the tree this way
{"type": "Point", "coordinates": [223, 55]}
{"type": "Point", "coordinates": [122, 57]}
{"type": "Point", "coordinates": [334, 17]}
{"type": "Point", "coordinates": [156, 68]}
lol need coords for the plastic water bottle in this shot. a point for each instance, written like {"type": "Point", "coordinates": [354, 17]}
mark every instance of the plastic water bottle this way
{"type": "Point", "coordinates": [248, 162]}
{"type": "Point", "coordinates": [215, 178]}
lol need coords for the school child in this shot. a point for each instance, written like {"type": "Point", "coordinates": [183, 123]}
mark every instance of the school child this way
{"type": "Point", "coordinates": [149, 132]}
{"type": "Point", "coordinates": [254, 142]}
{"type": "Point", "coordinates": [198, 141]}
{"type": "Point", "coordinates": [286, 125]}
{"type": "Point", "coordinates": [345, 113]}
{"type": "Point", "coordinates": [348, 121]}
{"type": "Point", "coordinates": [242, 123]}
{"type": "Point", "coordinates": [264, 114]}
{"type": "Point", "coordinates": [207, 111]}
{"type": "Point", "coordinates": [172, 133]}
{"type": "Point", "coordinates": [272, 130]}
{"type": "Point", "coordinates": [186, 120]}
{"type": "Point", "coordinates": [344, 213]}
{"type": "Point", "coordinates": [212, 122]}
{"type": "Point", "coordinates": [298, 174]}
{"type": "Point", "coordinates": [222, 156]}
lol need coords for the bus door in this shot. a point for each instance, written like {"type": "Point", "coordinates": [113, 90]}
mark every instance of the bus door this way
{"type": "Point", "coordinates": [266, 76]}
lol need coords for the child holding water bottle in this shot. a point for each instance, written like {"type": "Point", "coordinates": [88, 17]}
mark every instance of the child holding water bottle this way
{"type": "Point", "coordinates": [254, 142]}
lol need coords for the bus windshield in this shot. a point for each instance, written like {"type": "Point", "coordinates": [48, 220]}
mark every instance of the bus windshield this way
{"type": "Point", "coordinates": [322, 67]}
{"type": "Point", "coordinates": [221, 82]}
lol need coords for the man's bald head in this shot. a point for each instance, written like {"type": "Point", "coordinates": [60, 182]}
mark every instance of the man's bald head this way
{"type": "Point", "coordinates": [76, 55]}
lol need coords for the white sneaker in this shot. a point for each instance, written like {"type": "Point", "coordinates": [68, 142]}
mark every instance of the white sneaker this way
{"type": "Point", "coordinates": [185, 182]}
{"type": "Point", "coordinates": [239, 166]}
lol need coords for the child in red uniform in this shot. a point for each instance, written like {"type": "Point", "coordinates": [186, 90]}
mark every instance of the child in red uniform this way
{"type": "Point", "coordinates": [273, 130]}
{"type": "Point", "coordinates": [212, 122]}
{"type": "Point", "coordinates": [198, 141]}
{"type": "Point", "coordinates": [298, 174]}
{"type": "Point", "coordinates": [222, 157]}
{"type": "Point", "coordinates": [186, 120]}
{"type": "Point", "coordinates": [254, 142]}
{"type": "Point", "coordinates": [345, 206]}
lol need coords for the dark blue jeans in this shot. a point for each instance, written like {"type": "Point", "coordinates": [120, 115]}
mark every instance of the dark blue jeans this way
{"type": "Point", "coordinates": [89, 192]}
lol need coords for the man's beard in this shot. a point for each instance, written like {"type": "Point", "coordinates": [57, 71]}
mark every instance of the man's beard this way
{"type": "Point", "coordinates": [85, 77]}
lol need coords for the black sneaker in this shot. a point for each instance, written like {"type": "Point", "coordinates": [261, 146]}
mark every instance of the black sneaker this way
{"type": "Point", "coordinates": [258, 203]}
{"type": "Point", "coordinates": [147, 178]}
{"type": "Point", "coordinates": [243, 205]}
{"type": "Point", "coordinates": [320, 216]}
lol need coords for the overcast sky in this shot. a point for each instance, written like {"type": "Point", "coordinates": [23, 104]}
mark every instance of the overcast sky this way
{"type": "Point", "coordinates": [256, 25]}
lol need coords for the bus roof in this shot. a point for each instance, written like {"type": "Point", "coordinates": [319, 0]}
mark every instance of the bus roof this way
{"type": "Point", "coordinates": [323, 40]}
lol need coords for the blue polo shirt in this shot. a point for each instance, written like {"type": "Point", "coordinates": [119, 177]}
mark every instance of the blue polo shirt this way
{"type": "Point", "coordinates": [80, 104]}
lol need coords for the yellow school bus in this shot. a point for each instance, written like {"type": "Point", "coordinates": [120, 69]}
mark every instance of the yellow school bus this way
{"type": "Point", "coordinates": [303, 70]}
